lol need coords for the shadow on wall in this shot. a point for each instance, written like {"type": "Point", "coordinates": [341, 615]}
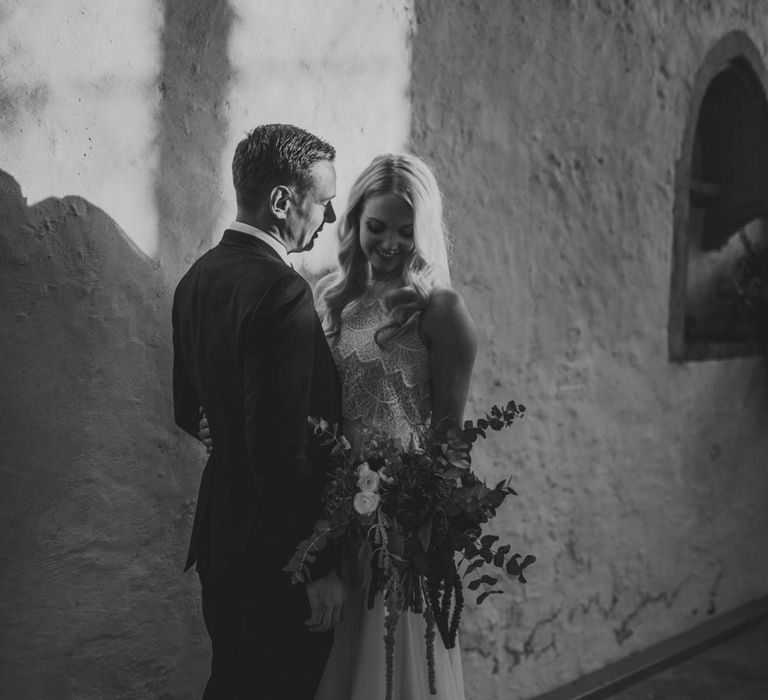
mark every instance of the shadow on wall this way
{"type": "Point", "coordinates": [96, 484]}
{"type": "Point", "coordinates": [192, 128]}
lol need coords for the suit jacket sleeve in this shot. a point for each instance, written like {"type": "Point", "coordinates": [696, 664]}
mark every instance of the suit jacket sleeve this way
{"type": "Point", "coordinates": [277, 375]}
{"type": "Point", "coordinates": [186, 403]}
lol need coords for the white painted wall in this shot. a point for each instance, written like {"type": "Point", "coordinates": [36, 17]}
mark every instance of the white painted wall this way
{"type": "Point", "coordinates": [340, 69]}
{"type": "Point", "coordinates": [79, 95]}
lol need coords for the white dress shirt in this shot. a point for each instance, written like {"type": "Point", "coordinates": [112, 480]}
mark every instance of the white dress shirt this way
{"type": "Point", "coordinates": [271, 241]}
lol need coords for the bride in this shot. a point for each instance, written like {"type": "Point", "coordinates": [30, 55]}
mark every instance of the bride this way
{"type": "Point", "coordinates": [404, 345]}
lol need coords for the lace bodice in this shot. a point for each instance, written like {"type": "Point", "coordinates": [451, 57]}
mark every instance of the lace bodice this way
{"type": "Point", "coordinates": [386, 388]}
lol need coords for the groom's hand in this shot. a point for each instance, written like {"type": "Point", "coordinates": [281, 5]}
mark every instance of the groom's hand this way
{"type": "Point", "coordinates": [204, 432]}
{"type": "Point", "coordinates": [326, 596]}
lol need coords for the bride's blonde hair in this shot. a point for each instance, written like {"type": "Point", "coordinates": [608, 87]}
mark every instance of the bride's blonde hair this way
{"type": "Point", "coordinates": [424, 268]}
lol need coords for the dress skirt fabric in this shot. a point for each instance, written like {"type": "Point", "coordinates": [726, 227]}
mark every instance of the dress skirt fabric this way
{"type": "Point", "coordinates": [356, 669]}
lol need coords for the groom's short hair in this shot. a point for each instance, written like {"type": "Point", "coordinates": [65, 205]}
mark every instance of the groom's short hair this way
{"type": "Point", "coordinates": [272, 155]}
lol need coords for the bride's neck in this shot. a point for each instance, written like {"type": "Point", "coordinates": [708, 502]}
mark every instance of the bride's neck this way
{"type": "Point", "coordinates": [391, 278]}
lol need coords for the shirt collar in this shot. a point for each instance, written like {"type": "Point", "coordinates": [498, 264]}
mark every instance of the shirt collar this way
{"type": "Point", "coordinates": [271, 241]}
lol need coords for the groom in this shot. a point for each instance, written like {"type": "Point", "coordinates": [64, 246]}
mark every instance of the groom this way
{"type": "Point", "coordinates": [250, 352]}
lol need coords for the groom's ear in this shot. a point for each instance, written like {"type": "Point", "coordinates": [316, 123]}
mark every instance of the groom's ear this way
{"type": "Point", "coordinates": [279, 199]}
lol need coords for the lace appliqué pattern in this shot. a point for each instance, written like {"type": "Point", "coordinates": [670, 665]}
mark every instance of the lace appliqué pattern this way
{"type": "Point", "coordinates": [383, 387]}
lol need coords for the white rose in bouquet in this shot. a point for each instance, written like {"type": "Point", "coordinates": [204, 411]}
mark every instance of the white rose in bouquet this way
{"type": "Point", "coordinates": [367, 479]}
{"type": "Point", "coordinates": [365, 502]}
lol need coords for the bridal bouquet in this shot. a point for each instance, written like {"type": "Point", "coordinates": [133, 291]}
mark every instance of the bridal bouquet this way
{"type": "Point", "coordinates": [416, 514]}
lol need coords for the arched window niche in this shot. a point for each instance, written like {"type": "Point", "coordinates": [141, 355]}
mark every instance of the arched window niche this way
{"type": "Point", "coordinates": [721, 202]}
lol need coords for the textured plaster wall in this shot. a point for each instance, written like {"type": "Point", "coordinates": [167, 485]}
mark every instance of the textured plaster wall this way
{"type": "Point", "coordinates": [78, 95]}
{"type": "Point", "coordinates": [555, 128]}
{"type": "Point", "coordinates": [96, 486]}
{"type": "Point", "coordinates": [192, 127]}
{"type": "Point", "coordinates": [138, 107]}
{"type": "Point", "coordinates": [340, 69]}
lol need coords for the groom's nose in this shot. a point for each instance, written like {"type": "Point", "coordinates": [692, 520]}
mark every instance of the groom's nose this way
{"type": "Point", "coordinates": [330, 215]}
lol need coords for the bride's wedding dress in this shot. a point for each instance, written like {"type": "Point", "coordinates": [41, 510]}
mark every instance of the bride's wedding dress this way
{"type": "Point", "coordinates": [389, 389]}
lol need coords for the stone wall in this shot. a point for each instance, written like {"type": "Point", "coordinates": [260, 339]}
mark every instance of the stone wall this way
{"type": "Point", "coordinates": [555, 129]}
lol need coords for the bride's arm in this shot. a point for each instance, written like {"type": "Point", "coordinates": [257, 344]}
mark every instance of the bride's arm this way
{"type": "Point", "coordinates": [451, 337]}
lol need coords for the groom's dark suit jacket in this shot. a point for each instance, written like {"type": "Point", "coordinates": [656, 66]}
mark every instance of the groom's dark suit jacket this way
{"type": "Point", "coordinates": [249, 348]}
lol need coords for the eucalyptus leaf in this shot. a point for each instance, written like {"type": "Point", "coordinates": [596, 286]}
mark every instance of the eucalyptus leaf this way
{"type": "Point", "coordinates": [474, 565]}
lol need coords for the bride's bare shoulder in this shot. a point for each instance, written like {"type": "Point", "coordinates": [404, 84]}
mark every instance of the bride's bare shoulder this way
{"type": "Point", "coordinates": [446, 314]}
{"type": "Point", "coordinates": [444, 301]}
